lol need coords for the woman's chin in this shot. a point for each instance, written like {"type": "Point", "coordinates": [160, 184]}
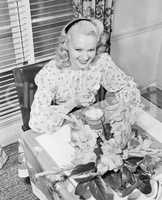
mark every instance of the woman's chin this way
{"type": "Point", "coordinates": [82, 66]}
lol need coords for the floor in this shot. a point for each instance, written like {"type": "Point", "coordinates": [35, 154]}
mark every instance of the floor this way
{"type": "Point", "coordinates": [11, 186]}
{"type": "Point", "coordinates": [10, 133]}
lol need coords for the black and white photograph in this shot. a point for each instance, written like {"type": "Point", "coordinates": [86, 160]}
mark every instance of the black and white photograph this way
{"type": "Point", "coordinates": [80, 100]}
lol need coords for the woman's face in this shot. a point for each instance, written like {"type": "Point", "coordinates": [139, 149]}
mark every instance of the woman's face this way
{"type": "Point", "coordinates": [82, 50]}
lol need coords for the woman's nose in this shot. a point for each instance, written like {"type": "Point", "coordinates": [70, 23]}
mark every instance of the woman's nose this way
{"type": "Point", "coordinates": [85, 55]}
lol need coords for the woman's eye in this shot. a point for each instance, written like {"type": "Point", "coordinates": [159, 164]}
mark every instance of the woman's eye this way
{"type": "Point", "coordinates": [91, 50]}
{"type": "Point", "coordinates": [78, 50]}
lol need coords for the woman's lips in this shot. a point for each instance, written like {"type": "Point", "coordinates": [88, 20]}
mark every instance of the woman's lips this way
{"type": "Point", "coordinates": [83, 62]}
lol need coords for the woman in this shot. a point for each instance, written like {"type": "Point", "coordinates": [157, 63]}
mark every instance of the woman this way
{"type": "Point", "coordinates": [73, 78]}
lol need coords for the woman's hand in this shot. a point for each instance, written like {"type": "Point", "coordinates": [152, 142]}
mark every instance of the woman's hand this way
{"type": "Point", "coordinates": [82, 100]}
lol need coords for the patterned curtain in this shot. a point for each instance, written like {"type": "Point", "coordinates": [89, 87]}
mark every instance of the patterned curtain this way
{"type": "Point", "coordinates": [99, 9]}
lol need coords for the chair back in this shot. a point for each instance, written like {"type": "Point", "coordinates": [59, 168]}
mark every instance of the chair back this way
{"type": "Point", "coordinates": [26, 88]}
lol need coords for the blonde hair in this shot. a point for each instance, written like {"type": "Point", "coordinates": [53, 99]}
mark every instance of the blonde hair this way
{"type": "Point", "coordinates": [94, 28]}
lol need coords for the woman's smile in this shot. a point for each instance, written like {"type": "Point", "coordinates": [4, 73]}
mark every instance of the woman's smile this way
{"type": "Point", "coordinates": [83, 62]}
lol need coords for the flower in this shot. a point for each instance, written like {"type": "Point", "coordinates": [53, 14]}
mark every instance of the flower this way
{"type": "Point", "coordinates": [110, 158]}
{"type": "Point", "coordinates": [84, 142]}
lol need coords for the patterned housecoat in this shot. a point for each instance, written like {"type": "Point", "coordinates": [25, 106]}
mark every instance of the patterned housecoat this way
{"type": "Point", "coordinates": [61, 85]}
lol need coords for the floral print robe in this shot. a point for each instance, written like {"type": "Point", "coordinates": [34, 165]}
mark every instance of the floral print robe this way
{"type": "Point", "coordinates": [61, 85]}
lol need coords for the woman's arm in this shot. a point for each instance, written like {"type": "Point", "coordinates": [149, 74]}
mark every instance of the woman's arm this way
{"type": "Point", "coordinates": [44, 117]}
{"type": "Point", "coordinates": [115, 81]}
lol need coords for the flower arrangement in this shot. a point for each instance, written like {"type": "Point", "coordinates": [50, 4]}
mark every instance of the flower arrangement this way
{"type": "Point", "coordinates": [121, 159]}
{"type": "Point", "coordinates": [115, 159]}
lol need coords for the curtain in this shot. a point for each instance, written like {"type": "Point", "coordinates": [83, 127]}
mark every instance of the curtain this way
{"type": "Point", "coordinates": [99, 9]}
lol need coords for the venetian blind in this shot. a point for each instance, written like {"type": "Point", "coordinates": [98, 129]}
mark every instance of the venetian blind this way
{"type": "Point", "coordinates": [29, 31]}
{"type": "Point", "coordinates": [48, 18]}
{"type": "Point", "coordinates": [11, 55]}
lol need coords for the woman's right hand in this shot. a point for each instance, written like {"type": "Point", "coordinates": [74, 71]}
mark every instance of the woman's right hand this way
{"type": "Point", "coordinates": [82, 100]}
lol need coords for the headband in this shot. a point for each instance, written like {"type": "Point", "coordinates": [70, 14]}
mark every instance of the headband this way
{"type": "Point", "coordinates": [68, 26]}
{"type": "Point", "coordinates": [95, 22]}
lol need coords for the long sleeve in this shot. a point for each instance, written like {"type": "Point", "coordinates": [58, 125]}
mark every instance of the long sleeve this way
{"type": "Point", "coordinates": [125, 89]}
{"type": "Point", "coordinates": [44, 117]}
{"type": "Point", "coordinates": [127, 98]}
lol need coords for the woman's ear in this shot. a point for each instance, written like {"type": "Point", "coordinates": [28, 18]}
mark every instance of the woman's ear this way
{"type": "Point", "coordinates": [64, 41]}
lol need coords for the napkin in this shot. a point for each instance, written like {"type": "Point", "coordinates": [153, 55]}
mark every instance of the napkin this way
{"type": "Point", "coordinates": [57, 145]}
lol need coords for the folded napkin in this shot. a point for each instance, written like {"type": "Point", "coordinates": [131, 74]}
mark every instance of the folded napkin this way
{"type": "Point", "coordinates": [57, 145]}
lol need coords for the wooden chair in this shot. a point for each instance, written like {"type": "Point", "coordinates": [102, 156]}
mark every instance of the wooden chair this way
{"type": "Point", "coordinates": [24, 81]}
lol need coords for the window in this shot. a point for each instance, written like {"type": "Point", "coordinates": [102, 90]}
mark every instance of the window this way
{"type": "Point", "coordinates": [48, 17]}
{"type": "Point", "coordinates": [29, 31]}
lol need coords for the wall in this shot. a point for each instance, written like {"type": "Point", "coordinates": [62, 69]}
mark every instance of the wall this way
{"type": "Point", "coordinates": [159, 69]}
{"type": "Point", "coordinates": [137, 38]}
{"type": "Point", "coordinates": [11, 132]}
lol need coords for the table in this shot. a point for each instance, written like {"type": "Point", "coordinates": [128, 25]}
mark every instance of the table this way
{"type": "Point", "coordinates": [150, 119]}
{"type": "Point", "coordinates": [39, 160]}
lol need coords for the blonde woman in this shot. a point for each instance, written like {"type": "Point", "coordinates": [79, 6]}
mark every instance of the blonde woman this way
{"type": "Point", "coordinates": [73, 78]}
